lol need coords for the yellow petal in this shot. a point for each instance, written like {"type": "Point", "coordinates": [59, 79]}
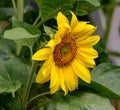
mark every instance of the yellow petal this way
{"type": "Point", "coordinates": [62, 22]}
{"type": "Point", "coordinates": [44, 72]}
{"type": "Point", "coordinates": [42, 54]}
{"type": "Point", "coordinates": [40, 78]}
{"type": "Point", "coordinates": [88, 30]}
{"type": "Point", "coordinates": [47, 64]}
{"type": "Point", "coordinates": [90, 64]}
{"type": "Point", "coordinates": [78, 29]}
{"type": "Point", "coordinates": [71, 79]}
{"type": "Point", "coordinates": [61, 79]}
{"type": "Point", "coordinates": [54, 83]}
{"type": "Point", "coordinates": [83, 30]}
{"type": "Point", "coordinates": [58, 36]}
{"type": "Point", "coordinates": [90, 41]}
{"type": "Point", "coordinates": [87, 53]}
{"type": "Point", "coordinates": [55, 88]}
{"type": "Point", "coordinates": [86, 56]}
{"type": "Point", "coordinates": [51, 43]}
{"type": "Point", "coordinates": [81, 71]}
{"type": "Point", "coordinates": [54, 76]}
{"type": "Point", "coordinates": [74, 20]}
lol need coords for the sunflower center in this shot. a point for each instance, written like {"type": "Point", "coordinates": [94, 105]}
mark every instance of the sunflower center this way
{"type": "Point", "coordinates": [65, 51]}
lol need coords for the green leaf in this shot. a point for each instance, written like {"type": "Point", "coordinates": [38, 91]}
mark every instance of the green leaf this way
{"type": "Point", "coordinates": [49, 31]}
{"type": "Point", "coordinates": [20, 36]}
{"type": "Point", "coordinates": [81, 7]}
{"type": "Point", "coordinates": [7, 47]}
{"type": "Point", "coordinates": [106, 80]}
{"type": "Point", "coordinates": [49, 9]}
{"type": "Point", "coordinates": [13, 73]}
{"type": "Point", "coordinates": [84, 7]}
{"type": "Point", "coordinates": [30, 28]}
{"type": "Point", "coordinates": [81, 101]}
{"type": "Point", "coordinates": [7, 102]}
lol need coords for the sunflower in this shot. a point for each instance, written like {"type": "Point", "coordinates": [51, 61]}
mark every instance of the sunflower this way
{"type": "Point", "coordinates": [68, 56]}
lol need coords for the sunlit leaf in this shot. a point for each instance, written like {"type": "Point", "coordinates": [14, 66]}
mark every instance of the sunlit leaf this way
{"type": "Point", "coordinates": [18, 34]}
{"type": "Point", "coordinates": [21, 36]}
{"type": "Point", "coordinates": [49, 31]}
{"type": "Point", "coordinates": [28, 27]}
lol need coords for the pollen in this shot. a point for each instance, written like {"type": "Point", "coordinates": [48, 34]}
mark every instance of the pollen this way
{"type": "Point", "coordinates": [65, 51]}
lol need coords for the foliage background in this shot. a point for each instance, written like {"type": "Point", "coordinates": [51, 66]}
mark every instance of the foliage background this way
{"type": "Point", "coordinates": [26, 26]}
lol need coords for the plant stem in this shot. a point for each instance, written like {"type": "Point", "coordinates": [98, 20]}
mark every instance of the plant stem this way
{"type": "Point", "coordinates": [29, 83]}
{"type": "Point", "coordinates": [102, 19]}
{"type": "Point", "coordinates": [19, 16]}
{"type": "Point", "coordinates": [40, 23]}
{"type": "Point", "coordinates": [14, 7]}
{"type": "Point", "coordinates": [109, 21]}
{"type": "Point", "coordinates": [116, 54]}
{"type": "Point", "coordinates": [34, 98]}
{"type": "Point", "coordinates": [37, 19]}
{"type": "Point", "coordinates": [20, 8]}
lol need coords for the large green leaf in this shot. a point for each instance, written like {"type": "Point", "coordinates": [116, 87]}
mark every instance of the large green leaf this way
{"type": "Point", "coordinates": [13, 73]}
{"type": "Point", "coordinates": [82, 7]}
{"type": "Point", "coordinates": [7, 47]}
{"type": "Point", "coordinates": [30, 28]}
{"type": "Point", "coordinates": [106, 80]}
{"type": "Point", "coordinates": [49, 9]}
{"type": "Point", "coordinates": [81, 101]}
{"type": "Point", "coordinates": [18, 34]}
{"type": "Point", "coordinates": [21, 36]}
{"type": "Point", "coordinates": [7, 102]}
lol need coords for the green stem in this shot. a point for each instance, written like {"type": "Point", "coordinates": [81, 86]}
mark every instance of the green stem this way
{"type": "Point", "coordinates": [37, 19]}
{"type": "Point", "coordinates": [20, 8]}
{"type": "Point", "coordinates": [19, 16]}
{"type": "Point", "coordinates": [31, 52]}
{"type": "Point", "coordinates": [40, 23]}
{"type": "Point", "coordinates": [109, 21]}
{"type": "Point", "coordinates": [116, 54]}
{"type": "Point", "coordinates": [29, 83]}
{"type": "Point", "coordinates": [34, 98]}
{"type": "Point", "coordinates": [102, 19]}
{"type": "Point", "coordinates": [18, 50]}
{"type": "Point", "coordinates": [14, 7]}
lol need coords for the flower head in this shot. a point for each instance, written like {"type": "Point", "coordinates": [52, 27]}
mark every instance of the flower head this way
{"type": "Point", "coordinates": [68, 55]}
